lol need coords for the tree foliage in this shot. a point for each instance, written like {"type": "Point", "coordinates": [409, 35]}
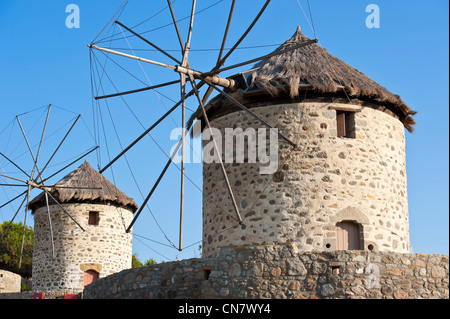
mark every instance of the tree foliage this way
{"type": "Point", "coordinates": [149, 262]}
{"type": "Point", "coordinates": [135, 262]}
{"type": "Point", "coordinates": [10, 246]}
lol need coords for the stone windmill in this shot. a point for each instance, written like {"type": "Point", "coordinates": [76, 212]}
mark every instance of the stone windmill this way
{"type": "Point", "coordinates": [81, 256]}
{"type": "Point", "coordinates": [342, 187]}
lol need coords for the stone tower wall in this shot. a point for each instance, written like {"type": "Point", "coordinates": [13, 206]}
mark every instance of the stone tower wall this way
{"type": "Point", "coordinates": [326, 180]}
{"type": "Point", "coordinates": [105, 248]}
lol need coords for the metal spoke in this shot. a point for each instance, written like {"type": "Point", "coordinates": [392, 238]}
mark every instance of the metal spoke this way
{"type": "Point", "coordinates": [11, 200]}
{"type": "Point", "coordinates": [147, 131]}
{"type": "Point", "coordinates": [40, 143]}
{"type": "Point", "coordinates": [175, 25]}
{"type": "Point", "coordinates": [136, 215]}
{"type": "Point", "coordinates": [29, 148]}
{"type": "Point", "coordinates": [227, 28]}
{"type": "Point", "coordinates": [12, 220]}
{"type": "Point", "coordinates": [14, 164]}
{"type": "Point", "coordinates": [54, 153]}
{"type": "Point", "coordinates": [222, 61]}
{"type": "Point", "coordinates": [261, 58]}
{"type": "Point", "coordinates": [137, 90]}
{"type": "Point", "coordinates": [84, 155]}
{"type": "Point", "coordinates": [148, 42]}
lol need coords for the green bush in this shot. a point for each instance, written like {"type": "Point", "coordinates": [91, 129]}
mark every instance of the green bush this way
{"type": "Point", "coordinates": [10, 245]}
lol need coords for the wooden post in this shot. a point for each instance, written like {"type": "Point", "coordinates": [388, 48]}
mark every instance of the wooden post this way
{"type": "Point", "coordinates": [183, 122]}
{"type": "Point", "coordinates": [24, 226]}
{"type": "Point", "coordinates": [50, 225]}
{"type": "Point", "coordinates": [132, 56]}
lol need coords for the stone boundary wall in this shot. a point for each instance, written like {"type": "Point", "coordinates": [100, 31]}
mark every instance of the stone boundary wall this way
{"type": "Point", "coordinates": [281, 271]}
{"type": "Point", "coordinates": [17, 295]}
{"type": "Point", "coordinates": [30, 295]}
{"type": "Point", "coordinates": [9, 282]}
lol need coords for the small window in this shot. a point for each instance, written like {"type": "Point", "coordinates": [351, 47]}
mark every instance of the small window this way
{"type": "Point", "coordinates": [93, 218]}
{"type": "Point", "coordinates": [206, 273]}
{"type": "Point", "coordinates": [345, 124]}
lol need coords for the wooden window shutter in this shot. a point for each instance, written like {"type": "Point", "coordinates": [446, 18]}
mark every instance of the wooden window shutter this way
{"type": "Point", "coordinates": [345, 124]}
{"type": "Point", "coordinates": [340, 118]}
{"type": "Point", "coordinates": [350, 125]}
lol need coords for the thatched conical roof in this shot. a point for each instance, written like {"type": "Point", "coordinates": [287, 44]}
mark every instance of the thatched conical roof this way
{"type": "Point", "coordinates": [87, 185]}
{"type": "Point", "coordinates": [312, 67]}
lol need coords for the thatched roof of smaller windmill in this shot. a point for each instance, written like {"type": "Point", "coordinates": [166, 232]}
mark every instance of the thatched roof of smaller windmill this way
{"type": "Point", "coordinates": [312, 68]}
{"type": "Point", "coordinates": [86, 185]}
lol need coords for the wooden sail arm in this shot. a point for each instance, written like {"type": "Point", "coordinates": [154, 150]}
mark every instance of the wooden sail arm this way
{"type": "Point", "coordinates": [226, 83]}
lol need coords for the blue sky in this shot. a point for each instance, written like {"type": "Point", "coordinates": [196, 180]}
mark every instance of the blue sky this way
{"type": "Point", "coordinates": [42, 62]}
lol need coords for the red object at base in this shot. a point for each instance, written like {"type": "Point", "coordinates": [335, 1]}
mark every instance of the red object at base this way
{"type": "Point", "coordinates": [70, 296]}
{"type": "Point", "coordinates": [39, 295]}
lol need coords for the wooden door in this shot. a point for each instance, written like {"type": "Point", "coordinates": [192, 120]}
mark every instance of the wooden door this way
{"type": "Point", "coordinates": [90, 276]}
{"type": "Point", "coordinates": [347, 236]}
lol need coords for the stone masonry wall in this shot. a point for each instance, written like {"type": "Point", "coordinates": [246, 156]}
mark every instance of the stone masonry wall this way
{"type": "Point", "coordinates": [105, 248]}
{"type": "Point", "coordinates": [282, 271]}
{"type": "Point", "coordinates": [326, 180]}
{"type": "Point", "coordinates": [9, 282]}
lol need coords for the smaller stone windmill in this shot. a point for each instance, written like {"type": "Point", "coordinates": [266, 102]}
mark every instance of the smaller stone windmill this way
{"type": "Point", "coordinates": [99, 248]}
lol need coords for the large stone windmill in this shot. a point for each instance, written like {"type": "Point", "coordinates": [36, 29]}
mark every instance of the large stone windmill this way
{"type": "Point", "coordinates": [342, 187]}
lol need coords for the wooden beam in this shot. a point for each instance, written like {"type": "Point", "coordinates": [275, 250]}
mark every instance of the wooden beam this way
{"type": "Point", "coordinates": [132, 56]}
